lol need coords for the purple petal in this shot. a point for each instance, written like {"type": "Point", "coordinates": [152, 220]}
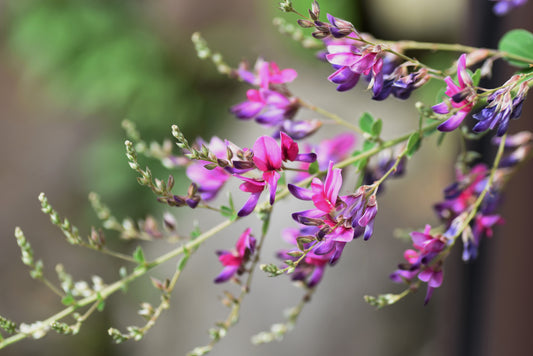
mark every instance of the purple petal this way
{"type": "Point", "coordinates": [300, 193]}
{"type": "Point", "coordinates": [250, 204]}
{"type": "Point", "coordinates": [453, 122]}
{"type": "Point", "coordinates": [441, 108]}
{"type": "Point", "coordinates": [226, 274]}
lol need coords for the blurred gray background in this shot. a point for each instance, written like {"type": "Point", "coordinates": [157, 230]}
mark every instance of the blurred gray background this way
{"type": "Point", "coordinates": [71, 71]}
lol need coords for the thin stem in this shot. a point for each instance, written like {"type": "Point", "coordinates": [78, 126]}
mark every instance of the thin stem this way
{"type": "Point", "coordinates": [331, 116]}
{"type": "Point", "coordinates": [118, 285]}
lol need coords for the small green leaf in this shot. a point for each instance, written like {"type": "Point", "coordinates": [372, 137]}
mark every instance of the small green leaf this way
{"type": "Point", "coordinates": [518, 42]}
{"type": "Point", "coordinates": [68, 300]}
{"type": "Point", "coordinates": [413, 144]}
{"type": "Point", "coordinates": [226, 211]}
{"type": "Point", "coordinates": [101, 305]}
{"type": "Point", "coordinates": [476, 77]}
{"type": "Point", "coordinates": [313, 168]}
{"type": "Point", "coordinates": [138, 255]}
{"type": "Point", "coordinates": [365, 122]}
{"type": "Point", "coordinates": [376, 127]}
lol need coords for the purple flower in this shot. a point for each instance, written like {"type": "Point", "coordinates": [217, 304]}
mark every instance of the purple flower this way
{"type": "Point", "coordinates": [351, 63]}
{"type": "Point", "coordinates": [422, 262]}
{"type": "Point", "coordinates": [271, 104]}
{"type": "Point", "coordinates": [336, 219]}
{"type": "Point", "coordinates": [265, 74]}
{"type": "Point", "coordinates": [234, 260]}
{"type": "Point", "coordinates": [311, 269]}
{"type": "Point", "coordinates": [459, 200]}
{"type": "Point", "coordinates": [501, 109]}
{"type": "Point", "coordinates": [502, 7]}
{"type": "Point", "coordinates": [462, 97]}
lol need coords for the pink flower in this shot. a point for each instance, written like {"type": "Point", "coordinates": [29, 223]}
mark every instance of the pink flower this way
{"type": "Point", "coordinates": [268, 158]}
{"type": "Point", "coordinates": [234, 260]}
{"type": "Point", "coordinates": [266, 73]}
{"type": "Point", "coordinates": [462, 97]}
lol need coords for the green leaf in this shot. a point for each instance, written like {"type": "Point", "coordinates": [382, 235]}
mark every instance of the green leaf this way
{"type": "Point", "coordinates": [226, 211]}
{"type": "Point", "coordinates": [476, 77]}
{"type": "Point", "coordinates": [365, 122]}
{"type": "Point", "coordinates": [376, 127]}
{"type": "Point", "coordinates": [413, 144]}
{"type": "Point", "coordinates": [68, 300]}
{"type": "Point", "coordinates": [313, 168]}
{"type": "Point", "coordinates": [138, 255]}
{"type": "Point", "coordinates": [518, 42]}
{"type": "Point", "coordinates": [101, 305]}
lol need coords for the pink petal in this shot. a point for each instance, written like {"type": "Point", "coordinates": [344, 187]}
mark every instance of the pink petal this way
{"type": "Point", "coordinates": [267, 154]}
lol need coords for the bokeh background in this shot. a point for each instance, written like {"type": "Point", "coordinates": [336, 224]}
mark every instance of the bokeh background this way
{"type": "Point", "coordinates": [71, 71]}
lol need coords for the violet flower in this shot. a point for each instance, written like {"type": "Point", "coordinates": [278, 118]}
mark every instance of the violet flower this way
{"type": "Point", "coordinates": [271, 104]}
{"type": "Point", "coordinates": [502, 7]}
{"type": "Point", "coordinates": [462, 97]}
{"type": "Point", "coordinates": [338, 220]}
{"type": "Point", "coordinates": [351, 63]}
{"type": "Point", "coordinates": [421, 261]}
{"type": "Point", "coordinates": [311, 269]}
{"type": "Point", "coordinates": [500, 110]}
{"type": "Point", "coordinates": [459, 199]}
{"type": "Point", "coordinates": [234, 260]}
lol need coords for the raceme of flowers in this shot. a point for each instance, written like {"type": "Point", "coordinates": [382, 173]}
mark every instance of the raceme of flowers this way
{"type": "Point", "coordinates": [286, 163]}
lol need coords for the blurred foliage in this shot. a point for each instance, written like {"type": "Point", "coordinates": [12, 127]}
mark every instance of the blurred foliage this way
{"type": "Point", "coordinates": [100, 59]}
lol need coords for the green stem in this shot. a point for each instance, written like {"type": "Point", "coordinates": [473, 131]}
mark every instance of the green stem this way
{"type": "Point", "coordinates": [118, 285]}
{"type": "Point", "coordinates": [339, 120]}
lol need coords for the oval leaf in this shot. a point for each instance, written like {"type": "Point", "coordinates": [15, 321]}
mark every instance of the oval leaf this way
{"type": "Point", "coordinates": [519, 43]}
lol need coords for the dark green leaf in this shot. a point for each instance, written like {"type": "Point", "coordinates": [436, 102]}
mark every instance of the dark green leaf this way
{"type": "Point", "coordinates": [518, 42]}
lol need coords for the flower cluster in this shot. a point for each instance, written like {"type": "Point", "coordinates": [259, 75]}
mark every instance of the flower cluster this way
{"type": "Point", "coordinates": [459, 199]}
{"type": "Point", "coordinates": [272, 104]}
{"type": "Point", "coordinates": [502, 107]}
{"type": "Point", "coordinates": [333, 222]}
{"type": "Point", "coordinates": [425, 261]}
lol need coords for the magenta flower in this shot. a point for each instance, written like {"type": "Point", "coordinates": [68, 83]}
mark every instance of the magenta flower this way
{"type": "Point", "coordinates": [337, 220]}
{"type": "Point", "coordinates": [462, 97]}
{"type": "Point", "coordinates": [351, 63]}
{"type": "Point", "coordinates": [234, 260]}
{"type": "Point", "coordinates": [422, 261]}
{"type": "Point", "coordinates": [265, 74]}
{"type": "Point", "coordinates": [268, 157]}
{"type": "Point", "coordinates": [271, 104]}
